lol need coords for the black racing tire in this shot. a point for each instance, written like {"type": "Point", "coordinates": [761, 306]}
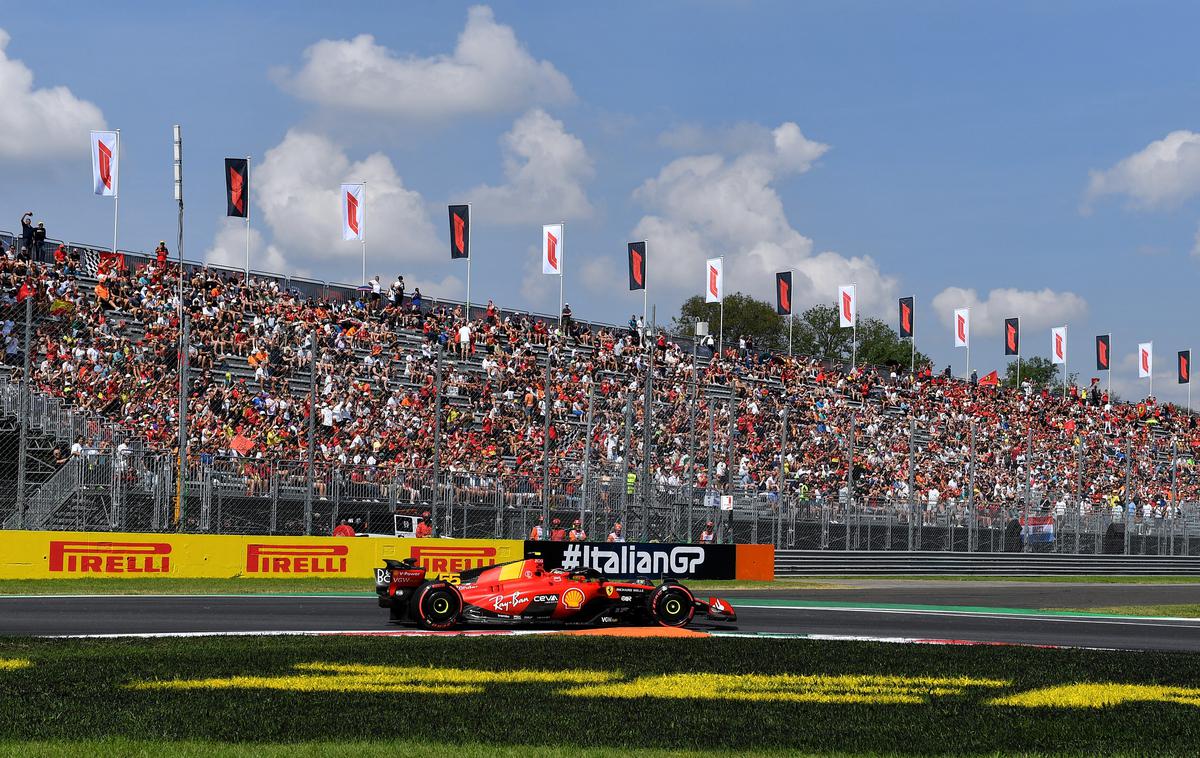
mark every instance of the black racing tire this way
{"type": "Point", "coordinates": [438, 605]}
{"type": "Point", "coordinates": [672, 605]}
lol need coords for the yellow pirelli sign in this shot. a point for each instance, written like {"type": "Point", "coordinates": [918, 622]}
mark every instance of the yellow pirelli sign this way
{"type": "Point", "coordinates": [49, 555]}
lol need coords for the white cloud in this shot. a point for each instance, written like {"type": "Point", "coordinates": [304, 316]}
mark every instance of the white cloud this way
{"type": "Point", "coordinates": [488, 72]}
{"type": "Point", "coordinates": [546, 169]}
{"type": "Point", "coordinates": [1163, 174]}
{"type": "Point", "coordinates": [1038, 310]}
{"type": "Point", "coordinates": [229, 249]}
{"type": "Point", "coordinates": [296, 188]}
{"type": "Point", "coordinates": [709, 205]}
{"type": "Point", "coordinates": [40, 123]}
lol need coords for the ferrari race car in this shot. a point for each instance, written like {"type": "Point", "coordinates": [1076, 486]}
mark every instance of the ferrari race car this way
{"type": "Point", "coordinates": [525, 592]}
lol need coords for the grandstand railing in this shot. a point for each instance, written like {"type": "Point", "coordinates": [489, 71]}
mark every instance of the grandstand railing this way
{"type": "Point", "coordinates": [135, 491]}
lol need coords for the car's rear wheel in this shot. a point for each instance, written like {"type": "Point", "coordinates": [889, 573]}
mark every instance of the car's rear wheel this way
{"type": "Point", "coordinates": [438, 606]}
{"type": "Point", "coordinates": [672, 606]}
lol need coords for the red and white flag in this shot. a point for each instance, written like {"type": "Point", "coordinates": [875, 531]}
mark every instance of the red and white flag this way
{"type": "Point", "coordinates": [552, 249]}
{"type": "Point", "coordinates": [962, 327]}
{"type": "Point", "coordinates": [354, 212]}
{"type": "Point", "coordinates": [1145, 359]}
{"type": "Point", "coordinates": [714, 280]}
{"type": "Point", "coordinates": [1058, 344]}
{"type": "Point", "coordinates": [106, 154]}
{"type": "Point", "coordinates": [847, 305]}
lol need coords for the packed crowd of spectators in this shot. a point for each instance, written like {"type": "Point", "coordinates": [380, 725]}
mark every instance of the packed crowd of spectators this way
{"type": "Point", "coordinates": [107, 337]}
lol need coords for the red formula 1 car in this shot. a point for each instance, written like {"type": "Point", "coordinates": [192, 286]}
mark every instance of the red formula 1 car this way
{"type": "Point", "coordinates": [525, 592]}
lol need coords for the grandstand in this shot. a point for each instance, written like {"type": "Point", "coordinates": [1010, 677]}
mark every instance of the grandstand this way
{"type": "Point", "coordinates": [101, 420]}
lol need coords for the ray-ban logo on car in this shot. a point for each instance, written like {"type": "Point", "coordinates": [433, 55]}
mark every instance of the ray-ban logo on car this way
{"type": "Point", "coordinates": [633, 559]}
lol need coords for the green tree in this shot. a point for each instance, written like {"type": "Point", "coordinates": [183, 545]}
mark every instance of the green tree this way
{"type": "Point", "coordinates": [743, 315]}
{"type": "Point", "coordinates": [1040, 371]}
{"type": "Point", "coordinates": [818, 333]}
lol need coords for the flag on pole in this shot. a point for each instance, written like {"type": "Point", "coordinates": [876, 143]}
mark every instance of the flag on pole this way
{"type": "Point", "coordinates": [354, 212]}
{"type": "Point", "coordinates": [1145, 359]}
{"type": "Point", "coordinates": [1184, 367]}
{"type": "Point", "coordinates": [906, 317]}
{"type": "Point", "coordinates": [460, 232]}
{"type": "Point", "coordinates": [714, 280]}
{"type": "Point", "coordinates": [105, 156]}
{"type": "Point", "coordinates": [962, 327]}
{"type": "Point", "coordinates": [637, 265]}
{"type": "Point", "coordinates": [237, 189]}
{"type": "Point", "coordinates": [1103, 344]}
{"type": "Point", "coordinates": [552, 249]}
{"type": "Point", "coordinates": [783, 293]}
{"type": "Point", "coordinates": [1058, 344]}
{"type": "Point", "coordinates": [1012, 336]}
{"type": "Point", "coordinates": [991, 380]}
{"type": "Point", "coordinates": [847, 305]}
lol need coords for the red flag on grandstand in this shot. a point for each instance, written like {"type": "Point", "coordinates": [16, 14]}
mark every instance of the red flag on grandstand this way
{"type": "Point", "coordinates": [460, 232]}
{"type": "Point", "coordinates": [241, 445]}
{"type": "Point", "coordinates": [25, 291]}
{"type": "Point", "coordinates": [552, 249]}
{"type": "Point", "coordinates": [783, 293]}
{"type": "Point", "coordinates": [714, 280]}
{"type": "Point", "coordinates": [906, 317]}
{"type": "Point", "coordinates": [1103, 344]}
{"type": "Point", "coordinates": [637, 265]}
{"type": "Point", "coordinates": [116, 260]}
{"type": "Point", "coordinates": [237, 187]}
{"type": "Point", "coordinates": [354, 212]}
{"type": "Point", "coordinates": [962, 327]}
{"type": "Point", "coordinates": [1012, 336]}
{"type": "Point", "coordinates": [1058, 344]}
{"type": "Point", "coordinates": [1184, 367]}
{"type": "Point", "coordinates": [1145, 359]}
{"type": "Point", "coordinates": [991, 380]}
{"type": "Point", "coordinates": [106, 155]}
{"type": "Point", "coordinates": [847, 306]}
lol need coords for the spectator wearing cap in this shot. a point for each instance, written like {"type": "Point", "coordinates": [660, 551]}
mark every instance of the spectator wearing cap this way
{"type": "Point", "coordinates": [343, 529]}
{"type": "Point", "coordinates": [709, 535]}
{"type": "Point", "coordinates": [423, 529]}
{"type": "Point", "coordinates": [576, 534]}
{"type": "Point", "coordinates": [557, 533]}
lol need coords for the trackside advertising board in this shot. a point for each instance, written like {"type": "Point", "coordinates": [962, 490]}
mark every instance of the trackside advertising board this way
{"type": "Point", "coordinates": [49, 555]}
{"type": "Point", "coordinates": [627, 560]}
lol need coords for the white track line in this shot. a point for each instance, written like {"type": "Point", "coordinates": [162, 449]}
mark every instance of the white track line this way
{"type": "Point", "coordinates": [1188, 623]}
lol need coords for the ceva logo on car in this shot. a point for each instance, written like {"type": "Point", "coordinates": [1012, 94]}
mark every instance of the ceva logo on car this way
{"type": "Point", "coordinates": [296, 559]}
{"type": "Point", "coordinates": [109, 557]}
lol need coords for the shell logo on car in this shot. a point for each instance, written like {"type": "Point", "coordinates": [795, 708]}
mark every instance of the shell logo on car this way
{"type": "Point", "coordinates": [573, 598]}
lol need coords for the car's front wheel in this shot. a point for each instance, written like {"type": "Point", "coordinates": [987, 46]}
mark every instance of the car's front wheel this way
{"type": "Point", "coordinates": [438, 606]}
{"type": "Point", "coordinates": [671, 605]}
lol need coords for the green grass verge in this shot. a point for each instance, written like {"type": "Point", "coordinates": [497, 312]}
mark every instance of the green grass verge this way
{"type": "Point", "coordinates": [74, 692]}
{"type": "Point", "coordinates": [167, 586]}
{"type": "Point", "coordinates": [1183, 610]}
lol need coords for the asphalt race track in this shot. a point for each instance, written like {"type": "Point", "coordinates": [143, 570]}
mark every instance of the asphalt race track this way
{"type": "Point", "coordinates": [915, 610]}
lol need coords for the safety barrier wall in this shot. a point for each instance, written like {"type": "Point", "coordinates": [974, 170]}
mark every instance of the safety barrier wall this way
{"type": "Point", "coordinates": [888, 563]}
{"type": "Point", "coordinates": [50, 555]}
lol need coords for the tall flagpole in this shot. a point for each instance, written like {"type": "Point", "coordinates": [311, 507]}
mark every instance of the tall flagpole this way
{"type": "Point", "coordinates": [116, 194]}
{"type": "Point", "coordinates": [562, 270]}
{"type": "Point", "coordinates": [854, 337]}
{"type": "Point", "coordinates": [645, 287]}
{"type": "Point", "coordinates": [721, 327]}
{"type": "Point", "coordinates": [469, 255]}
{"type": "Point", "coordinates": [247, 185]}
{"type": "Point", "coordinates": [912, 340]}
{"type": "Point", "coordinates": [1189, 370]}
{"type": "Point", "coordinates": [791, 313]}
{"type": "Point", "coordinates": [363, 227]}
{"type": "Point", "coordinates": [1064, 362]}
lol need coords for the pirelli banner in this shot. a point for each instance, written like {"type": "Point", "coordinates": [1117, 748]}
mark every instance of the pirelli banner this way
{"type": "Point", "coordinates": [628, 560]}
{"type": "Point", "coordinates": [48, 555]}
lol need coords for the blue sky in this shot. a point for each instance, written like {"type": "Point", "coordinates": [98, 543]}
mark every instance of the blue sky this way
{"type": "Point", "coordinates": [917, 148]}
